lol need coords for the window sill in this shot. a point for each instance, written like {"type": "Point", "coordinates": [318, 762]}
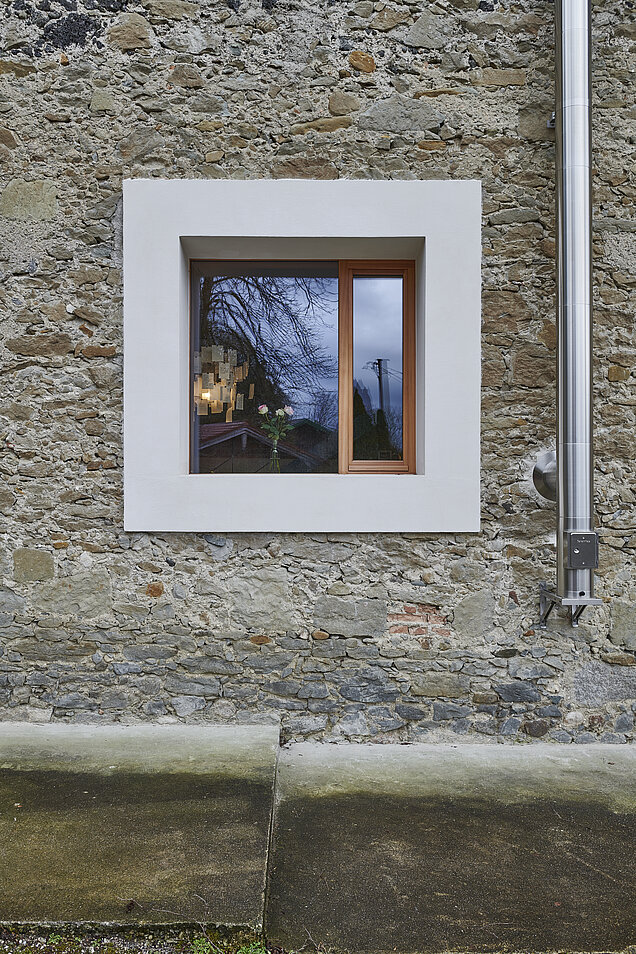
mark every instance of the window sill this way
{"type": "Point", "coordinates": [294, 503]}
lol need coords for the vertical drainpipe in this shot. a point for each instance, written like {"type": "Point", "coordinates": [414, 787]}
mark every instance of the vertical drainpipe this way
{"type": "Point", "coordinates": [577, 543]}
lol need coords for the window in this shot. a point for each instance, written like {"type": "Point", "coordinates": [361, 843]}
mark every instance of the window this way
{"type": "Point", "coordinates": [407, 459]}
{"type": "Point", "coordinates": [377, 367]}
{"type": "Point", "coordinates": [302, 367]}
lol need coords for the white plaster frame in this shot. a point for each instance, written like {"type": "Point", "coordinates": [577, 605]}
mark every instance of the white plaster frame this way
{"type": "Point", "coordinates": [167, 222]}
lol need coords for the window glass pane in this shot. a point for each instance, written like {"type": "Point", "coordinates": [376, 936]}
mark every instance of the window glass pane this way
{"type": "Point", "coordinates": [377, 367]}
{"type": "Point", "coordinates": [264, 334]}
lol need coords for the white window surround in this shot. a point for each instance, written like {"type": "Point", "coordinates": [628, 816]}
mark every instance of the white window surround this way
{"type": "Point", "coordinates": [168, 222]}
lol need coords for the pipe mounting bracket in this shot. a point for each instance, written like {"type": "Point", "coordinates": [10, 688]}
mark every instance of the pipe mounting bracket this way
{"type": "Point", "coordinates": [544, 475]}
{"type": "Point", "coordinates": [548, 599]}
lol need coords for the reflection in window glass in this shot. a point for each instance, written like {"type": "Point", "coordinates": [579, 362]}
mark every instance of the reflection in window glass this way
{"type": "Point", "coordinates": [264, 334]}
{"type": "Point", "coordinates": [377, 367]}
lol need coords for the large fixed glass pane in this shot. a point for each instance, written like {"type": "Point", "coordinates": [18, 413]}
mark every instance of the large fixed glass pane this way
{"type": "Point", "coordinates": [264, 339]}
{"type": "Point", "coordinates": [377, 367]}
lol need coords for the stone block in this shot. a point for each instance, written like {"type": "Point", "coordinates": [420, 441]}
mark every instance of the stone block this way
{"type": "Point", "coordinates": [510, 726]}
{"type": "Point", "coordinates": [313, 690]}
{"type": "Point", "coordinates": [388, 19]}
{"type": "Point", "coordinates": [341, 103]}
{"type": "Point", "coordinates": [533, 367]}
{"type": "Point", "coordinates": [133, 824]}
{"type": "Point", "coordinates": [536, 728]}
{"type": "Point", "coordinates": [368, 686]}
{"type": "Point", "coordinates": [304, 167]}
{"type": "Point", "coordinates": [29, 200]}
{"type": "Point", "coordinates": [102, 102]}
{"type": "Point", "coordinates": [361, 61]}
{"type": "Point", "coordinates": [597, 683]}
{"type": "Point", "coordinates": [400, 114]}
{"type": "Point", "coordinates": [259, 598]}
{"type": "Point", "coordinates": [10, 602]}
{"type": "Point", "coordinates": [340, 616]}
{"type": "Point", "coordinates": [533, 122]}
{"type": "Point", "coordinates": [86, 594]}
{"type": "Point", "coordinates": [444, 711]}
{"type": "Point", "coordinates": [40, 346]}
{"type": "Point", "coordinates": [466, 571]}
{"type": "Point", "coordinates": [131, 31]}
{"type": "Point", "coordinates": [7, 499]}
{"type": "Point", "coordinates": [429, 32]}
{"type": "Point", "coordinates": [623, 631]}
{"type": "Point", "coordinates": [204, 686]}
{"type": "Point", "coordinates": [324, 125]}
{"type": "Point", "coordinates": [514, 216]}
{"type": "Point", "coordinates": [171, 9]}
{"type": "Point", "coordinates": [440, 685]}
{"type": "Point", "coordinates": [624, 723]}
{"type": "Point", "coordinates": [19, 70]}
{"type": "Point", "coordinates": [304, 725]}
{"type": "Point", "coordinates": [185, 706]}
{"type": "Point", "coordinates": [187, 76]}
{"type": "Point", "coordinates": [493, 77]}
{"type": "Point", "coordinates": [522, 667]}
{"type": "Point", "coordinates": [30, 565]}
{"type": "Point", "coordinates": [141, 142]}
{"type": "Point", "coordinates": [473, 615]}
{"type": "Point", "coordinates": [502, 310]}
{"type": "Point", "coordinates": [411, 713]}
{"type": "Point", "coordinates": [519, 691]}
{"type": "Point", "coordinates": [7, 138]}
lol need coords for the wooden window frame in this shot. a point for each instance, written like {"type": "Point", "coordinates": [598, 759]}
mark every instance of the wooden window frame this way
{"type": "Point", "coordinates": [347, 271]}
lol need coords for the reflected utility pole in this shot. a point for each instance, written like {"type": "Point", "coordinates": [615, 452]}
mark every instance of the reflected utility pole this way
{"type": "Point", "coordinates": [381, 367]}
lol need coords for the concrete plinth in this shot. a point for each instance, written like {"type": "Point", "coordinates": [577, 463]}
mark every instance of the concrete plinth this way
{"type": "Point", "coordinates": [358, 848]}
{"type": "Point", "coordinates": [132, 824]}
{"type": "Point", "coordinates": [470, 847]}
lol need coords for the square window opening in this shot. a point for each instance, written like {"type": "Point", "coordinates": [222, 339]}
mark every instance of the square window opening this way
{"type": "Point", "coordinates": [168, 224]}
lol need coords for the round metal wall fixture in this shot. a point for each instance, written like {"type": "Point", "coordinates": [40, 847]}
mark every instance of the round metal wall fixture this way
{"type": "Point", "coordinates": [544, 475]}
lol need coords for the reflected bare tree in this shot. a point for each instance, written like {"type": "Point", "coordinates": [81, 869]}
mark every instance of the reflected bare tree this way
{"type": "Point", "coordinates": [273, 322]}
{"type": "Point", "coordinates": [394, 425]}
{"type": "Point", "coordinates": [324, 408]}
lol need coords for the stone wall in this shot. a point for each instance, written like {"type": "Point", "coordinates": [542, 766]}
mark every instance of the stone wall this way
{"type": "Point", "coordinates": [383, 636]}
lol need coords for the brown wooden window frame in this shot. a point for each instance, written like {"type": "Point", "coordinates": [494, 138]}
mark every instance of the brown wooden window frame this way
{"type": "Point", "coordinates": [347, 271]}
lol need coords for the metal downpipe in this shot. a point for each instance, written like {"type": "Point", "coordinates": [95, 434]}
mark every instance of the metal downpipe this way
{"type": "Point", "coordinates": [576, 539]}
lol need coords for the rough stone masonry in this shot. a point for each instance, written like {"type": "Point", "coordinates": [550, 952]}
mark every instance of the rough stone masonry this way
{"type": "Point", "coordinates": [376, 637]}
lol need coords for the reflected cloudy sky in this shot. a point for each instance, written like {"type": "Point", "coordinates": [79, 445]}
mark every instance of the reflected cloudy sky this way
{"type": "Point", "coordinates": [377, 333]}
{"type": "Point", "coordinates": [307, 402]}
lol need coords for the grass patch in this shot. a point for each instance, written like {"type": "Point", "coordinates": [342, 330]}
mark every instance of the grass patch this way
{"type": "Point", "coordinates": [90, 939]}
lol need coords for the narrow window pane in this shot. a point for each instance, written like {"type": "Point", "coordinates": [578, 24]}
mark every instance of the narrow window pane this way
{"type": "Point", "coordinates": [264, 334]}
{"type": "Point", "coordinates": [377, 367]}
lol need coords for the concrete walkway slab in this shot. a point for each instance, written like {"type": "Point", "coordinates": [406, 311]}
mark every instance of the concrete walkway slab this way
{"type": "Point", "coordinates": [125, 824]}
{"type": "Point", "coordinates": [470, 847]}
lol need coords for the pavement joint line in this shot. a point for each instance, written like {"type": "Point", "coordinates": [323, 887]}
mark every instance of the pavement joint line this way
{"type": "Point", "coordinates": [270, 838]}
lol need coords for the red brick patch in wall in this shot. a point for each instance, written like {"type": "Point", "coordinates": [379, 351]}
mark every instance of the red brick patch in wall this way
{"type": "Point", "coordinates": [418, 619]}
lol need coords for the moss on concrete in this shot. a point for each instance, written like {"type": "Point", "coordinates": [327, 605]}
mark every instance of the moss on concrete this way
{"type": "Point", "coordinates": [437, 848]}
{"type": "Point", "coordinates": [380, 874]}
{"type": "Point", "coordinates": [135, 825]}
